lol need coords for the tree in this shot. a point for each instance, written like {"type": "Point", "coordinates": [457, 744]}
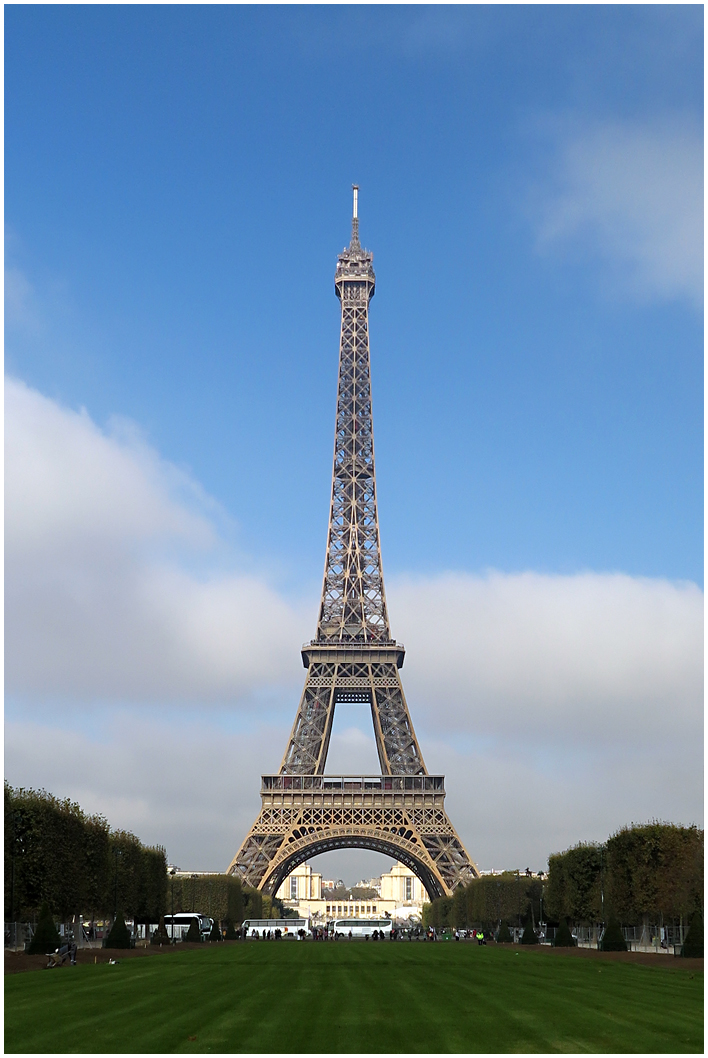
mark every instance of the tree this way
{"type": "Point", "coordinates": [161, 936]}
{"type": "Point", "coordinates": [66, 858]}
{"type": "Point", "coordinates": [496, 896]}
{"type": "Point", "coordinates": [613, 938]}
{"type": "Point", "coordinates": [119, 935]}
{"type": "Point", "coordinates": [194, 934]}
{"type": "Point", "coordinates": [252, 902]}
{"type": "Point", "coordinates": [529, 934]}
{"type": "Point", "coordinates": [655, 868]}
{"type": "Point", "coordinates": [693, 944]}
{"type": "Point", "coordinates": [564, 938]}
{"type": "Point", "coordinates": [459, 908]}
{"type": "Point", "coordinates": [574, 886]}
{"type": "Point", "coordinates": [504, 934]}
{"type": "Point", "coordinates": [46, 938]}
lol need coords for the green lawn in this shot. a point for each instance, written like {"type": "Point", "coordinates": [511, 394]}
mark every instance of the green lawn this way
{"type": "Point", "coordinates": [305, 997]}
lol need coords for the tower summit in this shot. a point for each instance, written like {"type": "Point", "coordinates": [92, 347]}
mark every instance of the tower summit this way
{"type": "Point", "coordinates": [353, 659]}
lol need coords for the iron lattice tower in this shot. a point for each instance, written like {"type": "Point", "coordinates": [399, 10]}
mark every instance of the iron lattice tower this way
{"type": "Point", "coordinates": [353, 659]}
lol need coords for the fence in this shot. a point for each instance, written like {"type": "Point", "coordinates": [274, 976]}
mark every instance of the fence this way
{"type": "Point", "coordinates": [656, 938]}
{"type": "Point", "coordinates": [19, 934]}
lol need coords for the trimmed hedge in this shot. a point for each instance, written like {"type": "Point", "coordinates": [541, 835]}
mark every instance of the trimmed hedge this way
{"type": "Point", "coordinates": [529, 934]}
{"type": "Point", "coordinates": [693, 941]}
{"type": "Point", "coordinates": [564, 938]}
{"type": "Point", "coordinates": [46, 938]}
{"type": "Point", "coordinates": [119, 934]}
{"type": "Point", "coordinates": [613, 938]}
{"type": "Point", "coordinates": [504, 935]}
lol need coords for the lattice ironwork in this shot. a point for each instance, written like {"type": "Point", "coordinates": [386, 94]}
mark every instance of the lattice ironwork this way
{"type": "Point", "coordinates": [353, 659]}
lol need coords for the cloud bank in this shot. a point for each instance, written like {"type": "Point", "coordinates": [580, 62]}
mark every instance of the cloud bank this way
{"type": "Point", "coordinates": [110, 592]}
{"type": "Point", "coordinates": [633, 192]}
{"type": "Point", "coordinates": [559, 707]}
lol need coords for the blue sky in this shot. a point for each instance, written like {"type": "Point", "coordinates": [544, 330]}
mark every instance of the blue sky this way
{"type": "Point", "coordinates": [177, 189]}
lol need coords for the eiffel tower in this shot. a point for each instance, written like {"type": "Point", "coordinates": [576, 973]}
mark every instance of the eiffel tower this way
{"type": "Point", "coordinates": [353, 658]}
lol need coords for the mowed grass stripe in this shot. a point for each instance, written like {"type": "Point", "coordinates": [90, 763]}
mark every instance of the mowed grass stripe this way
{"type": "Point", "coordinates": [307, 997]}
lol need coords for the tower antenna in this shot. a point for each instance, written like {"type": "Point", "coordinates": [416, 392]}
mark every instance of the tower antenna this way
{"type": "Point", "coordinates": [355, 217]}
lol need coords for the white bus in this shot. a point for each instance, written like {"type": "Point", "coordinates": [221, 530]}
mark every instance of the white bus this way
{"type": "Point", "coordinates": [361, 927]}
{"type": "Point", "coordinates": [289, 927]}
{"type": "Point", "coordinates": [177, 925]}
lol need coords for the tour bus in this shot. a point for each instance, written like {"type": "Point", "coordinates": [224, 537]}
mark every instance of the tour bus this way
{"type": "Point", "coordinates": [177, 925]}
{"type": "Point", "coordinates": [289, 927]}
{"type": "Point", "coordinates": [361, 927]}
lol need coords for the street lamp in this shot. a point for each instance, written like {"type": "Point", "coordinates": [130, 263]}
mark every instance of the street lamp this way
{"type": "Point", "coordinates": [117, 853]}
{"type": "Point", "coordinates": [172, 873]}
{"type": "Point", "coordinates": [16, 840]}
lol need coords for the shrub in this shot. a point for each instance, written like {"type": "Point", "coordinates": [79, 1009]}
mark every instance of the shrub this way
{"type": "Point", "coordinates": [231, 933]}
{"type": "Point", "coordinates": [529, 934]}
{"type": "Point", "coordinates": [194, 934]}
{"type": "Point", "coordinates": [46, 938]}
{"type": "Point", "coordinates": [215, 934]}
{"type": "Point", "coordinates": [504, 936]}
{"type": "Point", "coordinates": [612, 938]}
{"type": "Point", "coordinates": [693, 941]}
{"type": "Point", "coordinates": [161, 936]}
{"type": "Point", "coordinates": [119, 935]}
{"type": "Point", "coordinates": [564, 938]}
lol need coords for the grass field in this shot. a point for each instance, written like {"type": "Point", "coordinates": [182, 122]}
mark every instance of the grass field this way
{"type": "Point", "coordinates": [307, 997]}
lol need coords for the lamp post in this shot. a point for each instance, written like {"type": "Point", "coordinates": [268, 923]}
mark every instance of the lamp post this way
{"type": "Point", "coordinates": [172, 873]}
{"type": "Point", "coordinates": [16, 824]}
{"type": "Point", "coordinates": [518, 899]}
{"type": "Point", "coordinates": [117, 853]}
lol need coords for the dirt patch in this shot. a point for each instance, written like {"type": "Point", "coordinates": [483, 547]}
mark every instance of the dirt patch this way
{"type": "Point", "coordinates": [18, 962]}
{"type": "Point", "coordinates": [644, 958]}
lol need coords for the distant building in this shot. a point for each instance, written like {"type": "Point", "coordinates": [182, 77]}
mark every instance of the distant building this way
{"type": "Point", "coordinates": [399, 894]}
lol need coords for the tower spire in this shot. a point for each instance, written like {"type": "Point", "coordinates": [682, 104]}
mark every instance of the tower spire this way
{"type": "Point", "coordinates": [355, 244]}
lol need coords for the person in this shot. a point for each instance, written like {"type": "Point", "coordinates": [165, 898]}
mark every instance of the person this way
{"type": "Point", "coordinates": [350, 934]}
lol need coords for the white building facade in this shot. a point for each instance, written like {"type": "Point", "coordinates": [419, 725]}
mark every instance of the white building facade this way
{"type": "Point", "coordinates": [400, 896]}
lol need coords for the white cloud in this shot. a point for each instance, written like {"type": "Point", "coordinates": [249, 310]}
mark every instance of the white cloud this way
{"type": "Point", "coordinates": [559, 707]}
{"type": "Point", "coordinates": [102, 602]}
{"type": "Point", "coordinates": [532, 656]}
{"type": "Point", "coordinates": [635, 192]}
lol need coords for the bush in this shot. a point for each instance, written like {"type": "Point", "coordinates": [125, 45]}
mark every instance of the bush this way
{"type": "Point", "coordinates": [504, 936]}
{"type": "Point", "coordinates": [564, 938]}
{"type": "Point", "coordinates": [161, 936]}
{"type": "Point", "coordinates": [612, 938]}
{"type": "Point", "coordinates": [231, 933]}
{"type": "Point", "coordinates": [693, 941]}
{"type": "Point", "coordinates": [194, 934]}
{"type": "Point", "coordinates": [46, 938]}
{"type": "Point", "coordinates": [119, 935]}
{"type": "Point", "coordinates": [529, 934]}
{"type": "Point", "coordinates": [215, 934]}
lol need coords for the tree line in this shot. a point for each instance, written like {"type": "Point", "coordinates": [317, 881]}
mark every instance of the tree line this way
{"type": "Point", "coordinates": [652, 871]}
{"type": "Point", "coordinates": [508, 897]}
{"type": "Point", "coordinates": [57, 854]}
{"type": "Point", "coordinates": [222, 897]}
